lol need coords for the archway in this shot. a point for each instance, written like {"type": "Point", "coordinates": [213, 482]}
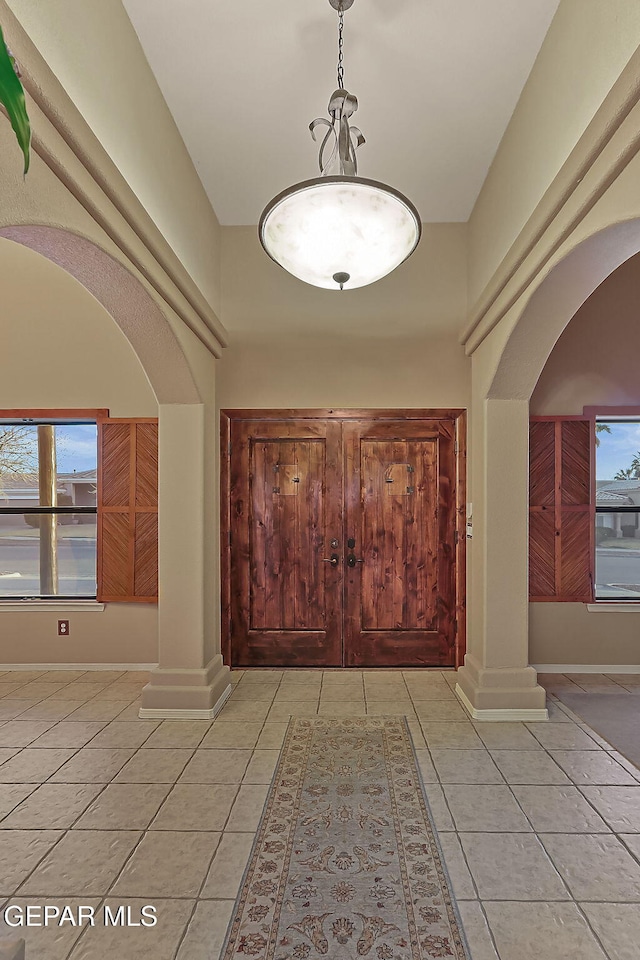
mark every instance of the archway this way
{"type": "Point", "coordinates": [496, 681]}
{"type": "Point", "coordinates": [552, 305]}
{"type": "Point", "coordinates": [124, 298]}
{"type": "Point", "coordinates": [190, 679]}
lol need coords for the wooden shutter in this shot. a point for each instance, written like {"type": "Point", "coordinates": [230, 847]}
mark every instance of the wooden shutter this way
{"type": "Point", "coordinates": [128, 510]}
{"type": "Point", "coordinates": [560, 512]}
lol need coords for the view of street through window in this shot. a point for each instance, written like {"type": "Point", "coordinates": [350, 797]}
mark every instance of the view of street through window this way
{"type": "Point", "coordinates": [32, 542]}
{"type": "Point", "coordinates": [617, 532]}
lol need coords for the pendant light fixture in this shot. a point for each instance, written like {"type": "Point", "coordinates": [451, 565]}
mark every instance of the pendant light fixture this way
{"type": "Point", "coordinates": [339, 230]}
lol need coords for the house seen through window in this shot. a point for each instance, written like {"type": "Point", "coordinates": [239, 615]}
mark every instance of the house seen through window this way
{"type": "Point", "coordinates": [48, 509]}
{"type": "Point", "coordinates": [617, 509]}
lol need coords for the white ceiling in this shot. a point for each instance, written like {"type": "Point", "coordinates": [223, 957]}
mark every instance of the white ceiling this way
{"type": "Point", "coordinates": [437, 81]}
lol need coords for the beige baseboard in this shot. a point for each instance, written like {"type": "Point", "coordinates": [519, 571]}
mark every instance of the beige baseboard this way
{"type": "Point", "coordinates": [153, 713]}
{"type": "Point", "coordinates": [586, 667]}
{"type": "Point", "coordinates": [529, 715]}
{"type": "Point", "coordinates": [77, 666]}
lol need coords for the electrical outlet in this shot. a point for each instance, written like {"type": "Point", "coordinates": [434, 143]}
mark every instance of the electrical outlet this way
{"type": "Point", "coordinates": [63, 628]}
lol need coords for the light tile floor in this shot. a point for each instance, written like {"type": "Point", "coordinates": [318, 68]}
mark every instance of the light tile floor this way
{"type": "Point", "coordinates": [539, 822]}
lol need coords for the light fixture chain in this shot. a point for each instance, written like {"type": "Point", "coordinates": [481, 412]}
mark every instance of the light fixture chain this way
{"type": "Point", "coordinates": [339, 230]}
{"type": "Point", "coordinates": [340, 46]}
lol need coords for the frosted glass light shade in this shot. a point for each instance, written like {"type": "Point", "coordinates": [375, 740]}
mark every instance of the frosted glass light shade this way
{"type": "Point", "coordinates": [339, 225]}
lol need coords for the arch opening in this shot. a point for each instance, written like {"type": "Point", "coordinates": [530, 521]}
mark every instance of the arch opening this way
{"type": "Point", "coordinates": [126, 301]}
{"type": "Point", "coordinates": [553, 304]}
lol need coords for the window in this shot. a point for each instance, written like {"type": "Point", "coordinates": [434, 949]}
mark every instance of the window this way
{"type": "Point", "coordinates": [78, 506]}
{"type": "Point", "coordinates": [617, 508]}
{"type": "Point", "coordinates": [48, 508]}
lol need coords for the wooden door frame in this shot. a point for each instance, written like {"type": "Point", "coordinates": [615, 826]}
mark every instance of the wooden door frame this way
{"type": "Point", "coordinates": [457, 415]}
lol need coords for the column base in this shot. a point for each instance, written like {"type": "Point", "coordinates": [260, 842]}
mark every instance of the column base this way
{"type": "Point", "coordinates": [186, 694]}
{"type": "Point", "coordinates": [500, 694]}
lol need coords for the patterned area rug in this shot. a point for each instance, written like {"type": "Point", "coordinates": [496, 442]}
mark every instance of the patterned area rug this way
{"type": "Point", "coordinates": [346, 861]}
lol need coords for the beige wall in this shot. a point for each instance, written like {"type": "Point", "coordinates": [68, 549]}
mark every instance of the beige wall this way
{"type": "Point", "coordinates": [104, 237]}
{"type": "Point", "coordinates": [61, 349]}
{"type": "Point", "coordinates": [568, 633]}
{"type": "Point", "coordinates": [593, 363]}
{"type": "Point", "coordinates": [122, 633]}
{"type": "Point", "coordinates": [391, 344]}
{"type": "Point", "coordinates": [587, 47]}
{"type": "Point", "coordinates": [95, 53]}
{"type": "Point", "coordinates": [344, 372]}
{"type": "Point", "coordinates": [529, 319]}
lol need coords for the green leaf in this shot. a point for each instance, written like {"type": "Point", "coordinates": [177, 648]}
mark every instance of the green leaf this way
{"type": "Point", "coordinates": [12, 96]}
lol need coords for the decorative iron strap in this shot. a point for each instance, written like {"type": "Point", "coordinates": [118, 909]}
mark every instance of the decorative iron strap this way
{"type": "Point", "coordinates": [337, 153]}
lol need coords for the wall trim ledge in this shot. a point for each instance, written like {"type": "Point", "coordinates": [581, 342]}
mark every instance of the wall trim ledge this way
{"type": "Point", "coordinates": [613, 607]}
{"type": "Point", "coordinates": [78, 666]}
{"type": "Point", "coordinates": [586, 667]}
{"type": "Point", "coordinates": [156, 713]}
{"type": "Point", "coordinates": [530, 715]}
{"type": "Point", "coordinates": [492, 305]}
{"type": "Point", "coordinates": [167, 275]}
{"type": "Point", "coordinates": [55, 606]}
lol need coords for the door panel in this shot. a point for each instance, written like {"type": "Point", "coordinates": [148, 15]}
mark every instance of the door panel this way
{"type": "Point", "coordinates": [377, 495]}
{"type": "Point", "coordinates": [287, 507]}
{"type": "Point", "coordinates": [399, 534]}
{"type": "Point", "coordinates": [286, 601]}
{"type": "Point", "coordinates": [400, 595]}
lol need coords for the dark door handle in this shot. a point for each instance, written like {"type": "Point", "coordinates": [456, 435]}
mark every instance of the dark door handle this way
{"type": "Point", "coordinates": [352, 560]}
{"type": "Point", "coordinates": [333, 559]}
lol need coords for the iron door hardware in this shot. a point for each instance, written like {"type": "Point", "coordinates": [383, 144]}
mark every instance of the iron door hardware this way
{"type": "Point", "coordinates": [333, 559]}
{"type": "Point", "coordinates": [352, 560]}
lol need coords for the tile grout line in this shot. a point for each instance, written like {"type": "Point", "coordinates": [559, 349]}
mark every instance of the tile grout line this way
{"type": "Point", "coordinates": [534, 833]}
{"type": "Point", "coordinates": [67, 830]}
{"type": "Point", "coordinates": [598, 749]}
{"type": "Point", "coordinates": [592, 929]}
{"type": "Point", "coordinates": [479, 899]}
{"type": "Point", "coordinates": [198, 898]}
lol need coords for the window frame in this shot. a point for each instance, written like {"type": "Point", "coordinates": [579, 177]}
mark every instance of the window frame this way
{"type": "Point", "coordinates": [621, 413]}
{"type": "Point", "coordinates": [55, 417]}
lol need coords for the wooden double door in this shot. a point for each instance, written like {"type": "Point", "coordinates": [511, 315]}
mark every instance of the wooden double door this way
{"type": "Point", "coordinates": [341, 543]}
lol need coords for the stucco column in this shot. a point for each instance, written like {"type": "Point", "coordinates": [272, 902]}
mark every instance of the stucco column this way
{"type": "Point", "coordinates": [190, 681]}
{"type": "Point", "coordinates": [496, 682]}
